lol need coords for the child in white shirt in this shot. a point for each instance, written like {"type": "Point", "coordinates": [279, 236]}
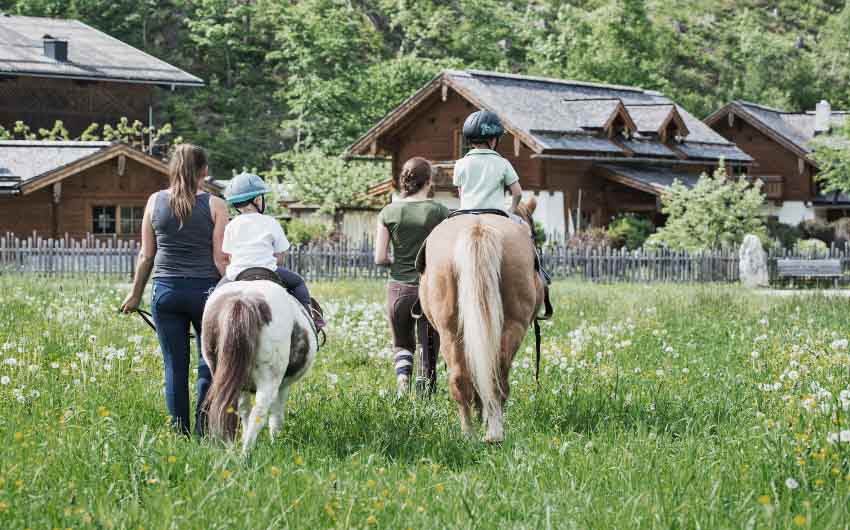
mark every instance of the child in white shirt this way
{"type": "Point", "coordinates": [254, 240]}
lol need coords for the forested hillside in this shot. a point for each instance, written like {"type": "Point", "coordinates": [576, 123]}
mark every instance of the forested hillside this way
{"type": "Point", "coordinates": [286, 74]}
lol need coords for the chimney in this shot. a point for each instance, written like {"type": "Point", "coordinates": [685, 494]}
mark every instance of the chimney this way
{"type": "Point", "coordinates": [56, 49]}
{"type": "Point", "coordinates": [823, 112]}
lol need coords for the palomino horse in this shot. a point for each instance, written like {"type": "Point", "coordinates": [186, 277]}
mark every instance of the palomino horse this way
{"type": "Point", "coordinates": [256, 338]}
{"type": "Point", "coordinates": [480, 291]}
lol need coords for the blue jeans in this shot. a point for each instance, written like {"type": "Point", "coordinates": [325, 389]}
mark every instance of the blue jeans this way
{"type": "Point", "coordinates": [176, 304]}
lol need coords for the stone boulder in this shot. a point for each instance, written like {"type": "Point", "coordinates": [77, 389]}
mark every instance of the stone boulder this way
{"type": "Point", "coordinates": [752, 264]}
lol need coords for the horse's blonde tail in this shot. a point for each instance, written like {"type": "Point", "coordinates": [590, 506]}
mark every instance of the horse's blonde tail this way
{"type": "Point", "coordinates": [231, 335]}
{"type": "Point", "coordinates": [478, 262]}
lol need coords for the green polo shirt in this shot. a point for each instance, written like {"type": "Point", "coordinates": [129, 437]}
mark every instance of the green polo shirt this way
{"type": "Point", "coordinates": [482, 175]}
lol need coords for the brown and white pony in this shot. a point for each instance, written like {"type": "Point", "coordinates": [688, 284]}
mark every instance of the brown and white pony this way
{"type": "Point", "coordinates": [479, 289]}
{"type": "Point", "coordinates": [256, 338]}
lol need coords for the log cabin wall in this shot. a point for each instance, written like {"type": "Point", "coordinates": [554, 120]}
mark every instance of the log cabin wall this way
{"type": "Point", "coordinates": [434, 132]}
{"type": "Point", "coordinates": [39, 102]}
{"type": "Point", "coordinates": [771, 160]}
{"type": "Point", "coordinates": [98, 187]}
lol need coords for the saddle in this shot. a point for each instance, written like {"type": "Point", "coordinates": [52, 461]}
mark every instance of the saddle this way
{"type": "Point", "coordinates": [260, 273]}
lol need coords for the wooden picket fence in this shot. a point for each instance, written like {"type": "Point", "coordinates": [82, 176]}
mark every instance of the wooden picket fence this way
{"type": "Point", "coordinates": [112, 257]}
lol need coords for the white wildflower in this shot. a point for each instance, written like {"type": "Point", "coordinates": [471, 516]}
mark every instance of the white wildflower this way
{"type": "Point", "coordinates": [11, 361]}
{"type": "Point", "coordinates": [840, 345]}
{"type": "Point", "coordinates": [791, 484]}
{"type": "Point", "coordinates": [332, 378]}
{"type": "Point", "coordinates": [5, 380]}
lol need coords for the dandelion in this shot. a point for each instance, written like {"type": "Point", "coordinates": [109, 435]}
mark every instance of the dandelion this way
{"type": "Point", "coordinates": [659, 372]}
{"type": "Point", "coordinates": [332, 378]}
{"type": "Point", "coordinates": [275, 471]}
{"type": "Point", "coordinates": [439, 488]}
{"type": "Point", "coordinates": [764, 500]}
{"type": "Point", "coordinates": [3, 506]}
{"type": "Point", "coordinates": [11, 361]}
{"type": "Point", "coordinates": [840, 345]}
{"type": "Point", "coordinates": [800, 520]}
{"type": "Point", "coordinates": [298, 460]}
{"type": "Point", "coordinates": [225, 474]}
{"type": "Point", "coordinates": [421, 509]}
{"type": "Point", "coordinates": [103, 411]}
{"type": "Point", "coordinates": [791, 484]}
{"type": "Point", "coordinates": [371, 520]}
{"type": "Point", "coordinates": [54, 365]}
{"type": "Point", "coordinates": [5, 380]}
{"type": "Point", "coordinates": [172, 459]}
{"type": "Point", "coordinates": [92, 339]}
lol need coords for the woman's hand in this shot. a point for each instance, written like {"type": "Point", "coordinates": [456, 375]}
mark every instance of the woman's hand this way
{"type": "Point", "coordinates": [131, 303]}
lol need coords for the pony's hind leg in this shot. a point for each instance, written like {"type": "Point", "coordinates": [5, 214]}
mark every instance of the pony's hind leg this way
{"type": "Point", "coordinates": [463, 392]}
{"type": "Point", "coordinates": [244, 408]}
{"type": "Point", "coordinates": [266, 395]}
{"type": "Point", "coordinates": [278, 411]}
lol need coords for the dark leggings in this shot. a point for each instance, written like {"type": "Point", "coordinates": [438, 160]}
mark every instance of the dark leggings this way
{"type": "Point", "coordinates": [401, 298]}
{"type": "Point", "coordinates": [294, 284]}
{"type": "Point", "coordinates": [176, 304]}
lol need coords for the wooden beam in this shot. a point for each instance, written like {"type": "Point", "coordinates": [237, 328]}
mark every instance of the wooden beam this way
{"type": "Point", "coordinates": [517, 146]}
{"type": "Point", "coordinates": [122, 165]}
{"type": "Point", "coordinates": [57, 192]}
{"type": "Point", "coordinates": [801, 166]}
{"type": "Point", "coordinates": [730, 118]}
{"type": "Point", "coordinates": [445, 92]}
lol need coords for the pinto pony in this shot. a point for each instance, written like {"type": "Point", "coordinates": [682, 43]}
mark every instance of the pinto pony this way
{"type": "Point", "coordinates": [256, 338]}
{"type": "Point", "coordinates": [480, 290]}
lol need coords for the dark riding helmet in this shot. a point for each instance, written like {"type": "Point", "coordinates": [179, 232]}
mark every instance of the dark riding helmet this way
{"type": "Point", "coordinates": [482, 126]}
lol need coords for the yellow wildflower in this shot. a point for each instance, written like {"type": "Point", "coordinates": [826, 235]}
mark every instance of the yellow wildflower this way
{"type": "Point", "coordinates": [440, 488]}
{"type": "Point", "coordinates": [421, 509]}
{"type": "Point", "coordinates": [225, 474]}
{"type": "Point", "coordinates": [172, 459]}
{"type": "Point", "coordinates": [371, 483]}
{"type": "Point", "coordinates": [298, 460]}
{"type": "Point", "coordinates": [800, 520]}
{"type": "Point", "coordinates": [3, 506]}
{"type": "Point", "coordinates": [402, 489]}
{"type": "Point", "coordinates": [371, 520]}
{"type": "Point", "coordinates": [19, 436]}
{"type": "Point", "coordinates": [275, 471]}
{"type": "Point", "coordinates": [764, 500]}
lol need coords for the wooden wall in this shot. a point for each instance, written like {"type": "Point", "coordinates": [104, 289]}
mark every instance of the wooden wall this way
{"type": "Point", "coordinates": [771, 159]}
{"type": "Point", "coordinates": [98, 186]}
{"type": "Point", "coordinates": [39, 102]}
{"type": "Point", "coordinates": [432, 132]}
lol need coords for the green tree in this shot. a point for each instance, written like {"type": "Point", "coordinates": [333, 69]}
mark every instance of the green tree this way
{"type": "Point", "coordinates": [327, 181]}
{"type": "Point", "coordinates": [832, 153]}
{"type": "Point", "coordinates": [717, 212]}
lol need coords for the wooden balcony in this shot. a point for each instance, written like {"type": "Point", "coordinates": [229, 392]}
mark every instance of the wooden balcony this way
{"type": "Point", "coordinates": [772, 186]}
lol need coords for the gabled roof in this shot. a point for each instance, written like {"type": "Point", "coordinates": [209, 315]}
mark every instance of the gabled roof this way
{"type": "Point", "coordinates": [92, 54]}
{"type": "Point", "coordinates": [651, 179]}
{"type": "Point", "coordinates": [545, 114]}
{"type": "Point", "coordinates": [654, 118]}
{"type": "Point", "coordinates": [794, 130]}
{"type": "Point", "coordinates": [27, 166]}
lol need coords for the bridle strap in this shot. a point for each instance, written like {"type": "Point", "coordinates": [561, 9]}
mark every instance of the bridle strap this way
{"type": "Point", "coordinates": [537, 340]}
{"type": "Point", "coordinates": [148, 318]}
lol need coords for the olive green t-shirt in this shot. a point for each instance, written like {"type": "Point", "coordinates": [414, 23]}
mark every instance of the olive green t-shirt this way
{"type": "Point", "coordinates": [409, 223]}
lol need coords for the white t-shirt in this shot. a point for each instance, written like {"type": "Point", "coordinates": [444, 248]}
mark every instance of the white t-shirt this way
{"type": "Point", "coordinates": [252, 240]}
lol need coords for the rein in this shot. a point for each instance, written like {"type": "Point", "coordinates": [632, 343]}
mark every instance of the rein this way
{"type": "Point", "coordinates": [148, 318]}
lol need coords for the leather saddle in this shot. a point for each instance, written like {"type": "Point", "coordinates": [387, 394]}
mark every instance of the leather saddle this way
{"type": "Point", "coordinates": [259, 273]}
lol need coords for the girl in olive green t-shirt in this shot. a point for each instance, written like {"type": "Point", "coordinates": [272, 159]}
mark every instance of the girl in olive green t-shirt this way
{"type": "Point", "coordinates": [405, 224]}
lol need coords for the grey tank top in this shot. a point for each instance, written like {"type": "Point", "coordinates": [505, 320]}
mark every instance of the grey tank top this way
{"type": "Point", "coordinates": [187, 251]}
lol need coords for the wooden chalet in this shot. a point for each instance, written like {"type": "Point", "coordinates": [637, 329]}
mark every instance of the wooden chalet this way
{"type": "Point", "coordinates": [77, 188]}
{"type": "Point", "coordinates": [782, 145]}
{"type": "Point", "coordinates": [606, 149]}
{"type": "Point", "coordinates": [65, 70]}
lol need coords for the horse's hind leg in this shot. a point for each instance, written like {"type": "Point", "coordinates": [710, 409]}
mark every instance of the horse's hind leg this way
{"type": "Point", "coordinates": [278, 411]}
{"type": "Point", "coordinates": [244, 408]}
{"type": "Point", "coordinates": [460, 384]}
{"type": "Point", "coordinates": [511, 340]}
{"type": "Point", "coordinates": [267, 391]}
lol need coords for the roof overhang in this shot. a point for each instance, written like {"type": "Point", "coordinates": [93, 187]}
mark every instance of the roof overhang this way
{"type": "Point", "coordinates": [367, 145]}
{"type": "Point", "coordinates": [119, 149]}
{"type": "Point", "coordinates": [105, 79]}
{"type": "Point", "coordinates": [739, 111]}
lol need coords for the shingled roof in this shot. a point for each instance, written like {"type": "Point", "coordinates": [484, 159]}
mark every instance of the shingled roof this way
{"type": "Point", "coordinates": [796, 130]}
{"type": "Point", "coordinates": [92, 54]}
{"type": "Point", "coordinates": [553, 115]}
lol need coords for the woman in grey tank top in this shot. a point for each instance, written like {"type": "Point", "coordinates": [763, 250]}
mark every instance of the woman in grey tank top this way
{"type": "Point", "coordinates": [182, 231]}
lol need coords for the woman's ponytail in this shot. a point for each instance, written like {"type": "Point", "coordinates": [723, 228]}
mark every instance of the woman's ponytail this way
{"type": "Point", "coordinates": [187, 163]}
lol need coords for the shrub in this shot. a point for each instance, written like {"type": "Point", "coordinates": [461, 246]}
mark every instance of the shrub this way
{"type": "Point", "coordinates": [630, 230]}
{"type": "Point", "coordinates": [593, 238]}
{"type": "Point", "coordinates": [785, 235]}
{"type": "Point", "coordinates": [302, 232]}
{"type": "Point", "coordinates": [716, 212]}
{"type": "Point", "coordinates": [812, 247]}
{"type": "Point", "coordinates": [817, 229]}
{"type": "Point", "coordinates": [539, 234]}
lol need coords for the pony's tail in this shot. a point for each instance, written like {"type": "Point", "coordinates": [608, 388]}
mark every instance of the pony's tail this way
{"type": "Point", "coordinates": [478, 262]}
{"type": "Point", "coordinates": [238, 320]}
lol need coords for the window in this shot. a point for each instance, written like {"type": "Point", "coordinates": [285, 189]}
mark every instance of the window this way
{"type": "Point", "coordinates": [131, 219]}
{"type": "Point", "coordinates": [124, 220]}
{"type": "Point", "coordinates": [103, 220]}
{"type": "Point", "coordinates": [461, 144]}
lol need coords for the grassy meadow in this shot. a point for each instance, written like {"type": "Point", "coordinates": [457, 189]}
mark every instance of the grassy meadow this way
{"type": "Point", "coordinates": [658, 407]}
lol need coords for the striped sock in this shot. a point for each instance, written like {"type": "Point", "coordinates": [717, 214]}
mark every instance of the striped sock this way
{"type": "Point", "coordinates": [403, 363]}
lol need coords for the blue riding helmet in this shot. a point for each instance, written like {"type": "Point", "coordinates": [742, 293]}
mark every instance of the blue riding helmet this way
{"type": "Point", "coordinates": [244, 187]}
